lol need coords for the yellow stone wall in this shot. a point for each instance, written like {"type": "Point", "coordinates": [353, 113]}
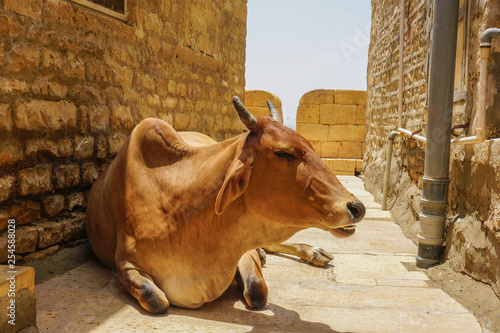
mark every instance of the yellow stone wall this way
{"type": "Point", "coordinates": [334, 122]}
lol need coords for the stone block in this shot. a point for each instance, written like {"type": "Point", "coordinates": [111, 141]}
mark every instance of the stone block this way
{"type": "Point", "coordinates": [25, 212]}
{"type": "Point", "coordinates": [49, 233]}
{"type": "Point", "coordinates": [99, 119]}
{"type": "Point", "coordinates": [84, 146]}
{"type": "Point", "coordinates": [30, 8]}
{"type": "Point", "coordinates": [51, 59]}
{"type": "Point", "coordinates": [259, 98]}
{"type": "Point", "coordinates": [5, 117]}
{"type": "Point", "coordinates": [76, 199]}
{"type": "Point", "coordinates": [42, 254]}
{"type": "Point", "coordinates": [53, 205]}
{"type": "Point", "coordinates": [121, 117]}
{"type": "Point", "coordinates": [9, 27]}
{"type": "Point", "coordinates": [63, 147]}
{"type": "Point", "coordinates": [66, 176]}
{"type": "Point", "coordinates": [338, 114]}
{"type": "Point", "coordinates": [4, 219]}
{"type": "Point", "coordinates": [23, 296]}
{"type": "Point", "coordinates": [330, 149]}
{"type": "Point", "coordinates": [89, 173]}
{"type": "Point", "coordinates": [22, 57]}
{"type": "Point", "coordinates": [316, 144]}
{"type": "Point", "coordinates": [35, 180]}
{"type": "Point", "coordinates": [11, 151]}
{"type": "Point", "coordinates": [320, 96]}
{"type": "Point", "coordinates": [57, 90]}
{"type": "Point", "coordinates": [26, 239]}
{"type": "Point", "coordinates": [361, 115]}
{"type": "Point", "coordinates": [101, 146]}
{"type": "Point", "coordinates": [313, 131]}
{"type": "Point", "coordinates": [115, 142]}
{"type": "Point", "coordinates": [356, 97]}
{"type": "Point", "coordinates": [347, 133]}
{"type": "Point", "coordinates": [308, 113]}
{"type": "Point", "coordinates": [345, 165]}
{"type": "Point", "coordinates": [45, 116]}
{"type": "Point", "coordinates": [350, 149]}
{"type": "Point", "coordinates": [7, 184]}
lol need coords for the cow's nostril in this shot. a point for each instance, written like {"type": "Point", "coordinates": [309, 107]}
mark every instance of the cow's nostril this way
{"type": "Point", "coordinates": [357, 210]}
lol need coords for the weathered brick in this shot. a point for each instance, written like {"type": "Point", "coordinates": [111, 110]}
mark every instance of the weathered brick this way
{"type": "Point", "coordinates": [308, 113]}
{"type": "Point", "coordinates": [9, 27]}
{"type": "Point", "coordinates": [121, 117]}
{"type": "Point", "coordinates": [99, 119]}
{"type": "Point", "coordinates": [51, 59]}
{"type": "Point", "coordinates": [11, 151]}
{"type": "Point", "coordinates": [361, 115]}
{"type": "Point", "coordinates": [53, 205]}
{"type": "Point", "coordinates": [338, 114]}
{"type": "Point", "coordinates": [26, 212]}
{"type": "Point", "coordinates": [330, 149]}
{"type": "Point", "coordinates": [347, 133]}
{"type": "Point", "coordinates": [11, 86]}
{"type": "Point", "coordinates": [76, 199]}
{"type": "Point", "coordinates": [320, 96]}
{"type": "Point", "coordinates": [313, 131]}
{"type": "Point", "coordinates": [5, 117]}
{"type": "Point", "coordinates": [348, 149]}
{"type": "Point", "coordinates": [66, 176]}
{"type": "Point", "coordinates": [63, 147]}
{"type": "Point", "coordinates": [89, 173]}
{"type": "Point", "coordinates": [45, 115]}
{"type": "Point", "coordinates": [316, 146]}
{"type": "Point", "coordinates": [101, 146]}
{"type": "Point", "coordinates": [22, 57]}
{"type": "Point", "coordinates": [35, 180]}
{"type": "Point", "coordinates": [356, 97]}
{"type": "Point", "coordinates": [7, 184]}
{"type": "Point", "coordinates": [26, 239]}
{"type": "Point", "coordinates": [30, 8]}
{"type": "Point", "coordinates": [84, 146]}
{"type": "Point", "coordinates": [115, 142]}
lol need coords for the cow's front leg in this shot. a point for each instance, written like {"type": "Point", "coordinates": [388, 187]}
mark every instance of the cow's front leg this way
{"type": "Point", "coordinates": [315, 255]}
{"type": "Point", "coordinates": [250, 279]}
{"type": "Point", "coordinates": [140, 285]}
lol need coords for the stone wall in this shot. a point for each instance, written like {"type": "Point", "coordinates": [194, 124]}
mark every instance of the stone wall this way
{"type": "Point", "coordinates": [256, 102]}
{"type": "Point", "coordinates": [473, 238]}
{"type": "Point", "coordinates": [334, 122]}
{"type": "Point", "coordinates": [73, 84]}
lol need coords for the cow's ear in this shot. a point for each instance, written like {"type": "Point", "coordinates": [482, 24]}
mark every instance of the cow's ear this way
{"type": "Point", "coordinates": [236, 181]}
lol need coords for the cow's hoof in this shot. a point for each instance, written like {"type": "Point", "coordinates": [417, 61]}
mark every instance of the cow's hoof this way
{"type": "Point", "coordinates": [153, 301]}
{"type": "Point", "coordinates": [256, 293]}
{"type": "Point", "coordinates": [319, 257]}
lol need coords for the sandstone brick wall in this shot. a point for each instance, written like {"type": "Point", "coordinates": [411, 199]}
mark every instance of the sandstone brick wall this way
{"type": "Point", "coordinates": [334, 122]}
{"type": "Point", "coordinates": [73, 84]}
{"type": "Point", "coordinates": [473, 241]}
{"type": "Point", "coordinates": [256, 102]}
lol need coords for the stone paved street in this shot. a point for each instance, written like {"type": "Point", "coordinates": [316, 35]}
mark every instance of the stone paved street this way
{"type": "Point", "coordinates": [372, 285]}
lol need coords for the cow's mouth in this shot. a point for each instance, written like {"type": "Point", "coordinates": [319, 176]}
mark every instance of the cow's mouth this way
{"type": "Point", "coordinates": [343, 232]}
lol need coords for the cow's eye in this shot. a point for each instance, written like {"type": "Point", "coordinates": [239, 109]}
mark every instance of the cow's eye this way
{"type": "Point", "coordinates": [284, 155]}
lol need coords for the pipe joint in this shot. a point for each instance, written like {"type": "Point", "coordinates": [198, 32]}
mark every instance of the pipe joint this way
{"type": "Point", "coordinates": [488, 34]}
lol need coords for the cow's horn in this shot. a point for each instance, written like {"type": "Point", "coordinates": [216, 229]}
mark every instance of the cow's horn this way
{"type": "Point", "coordinates": [274, 113]}
{"type": "Point", "coordinates": [246, 117]}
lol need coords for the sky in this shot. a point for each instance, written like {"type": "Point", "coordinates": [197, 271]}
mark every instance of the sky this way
{"type": "Point", "coordinates": [295, 46]}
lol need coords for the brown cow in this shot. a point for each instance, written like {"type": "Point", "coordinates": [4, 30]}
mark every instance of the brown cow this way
{"type": "Point", "coordinates": [174, 219]}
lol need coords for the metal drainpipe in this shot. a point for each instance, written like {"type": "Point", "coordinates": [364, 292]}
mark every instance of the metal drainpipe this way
{"type": "Point", "coordinates": [435, 182]}
{"type": "Point", "coordinates": [390, 142]}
